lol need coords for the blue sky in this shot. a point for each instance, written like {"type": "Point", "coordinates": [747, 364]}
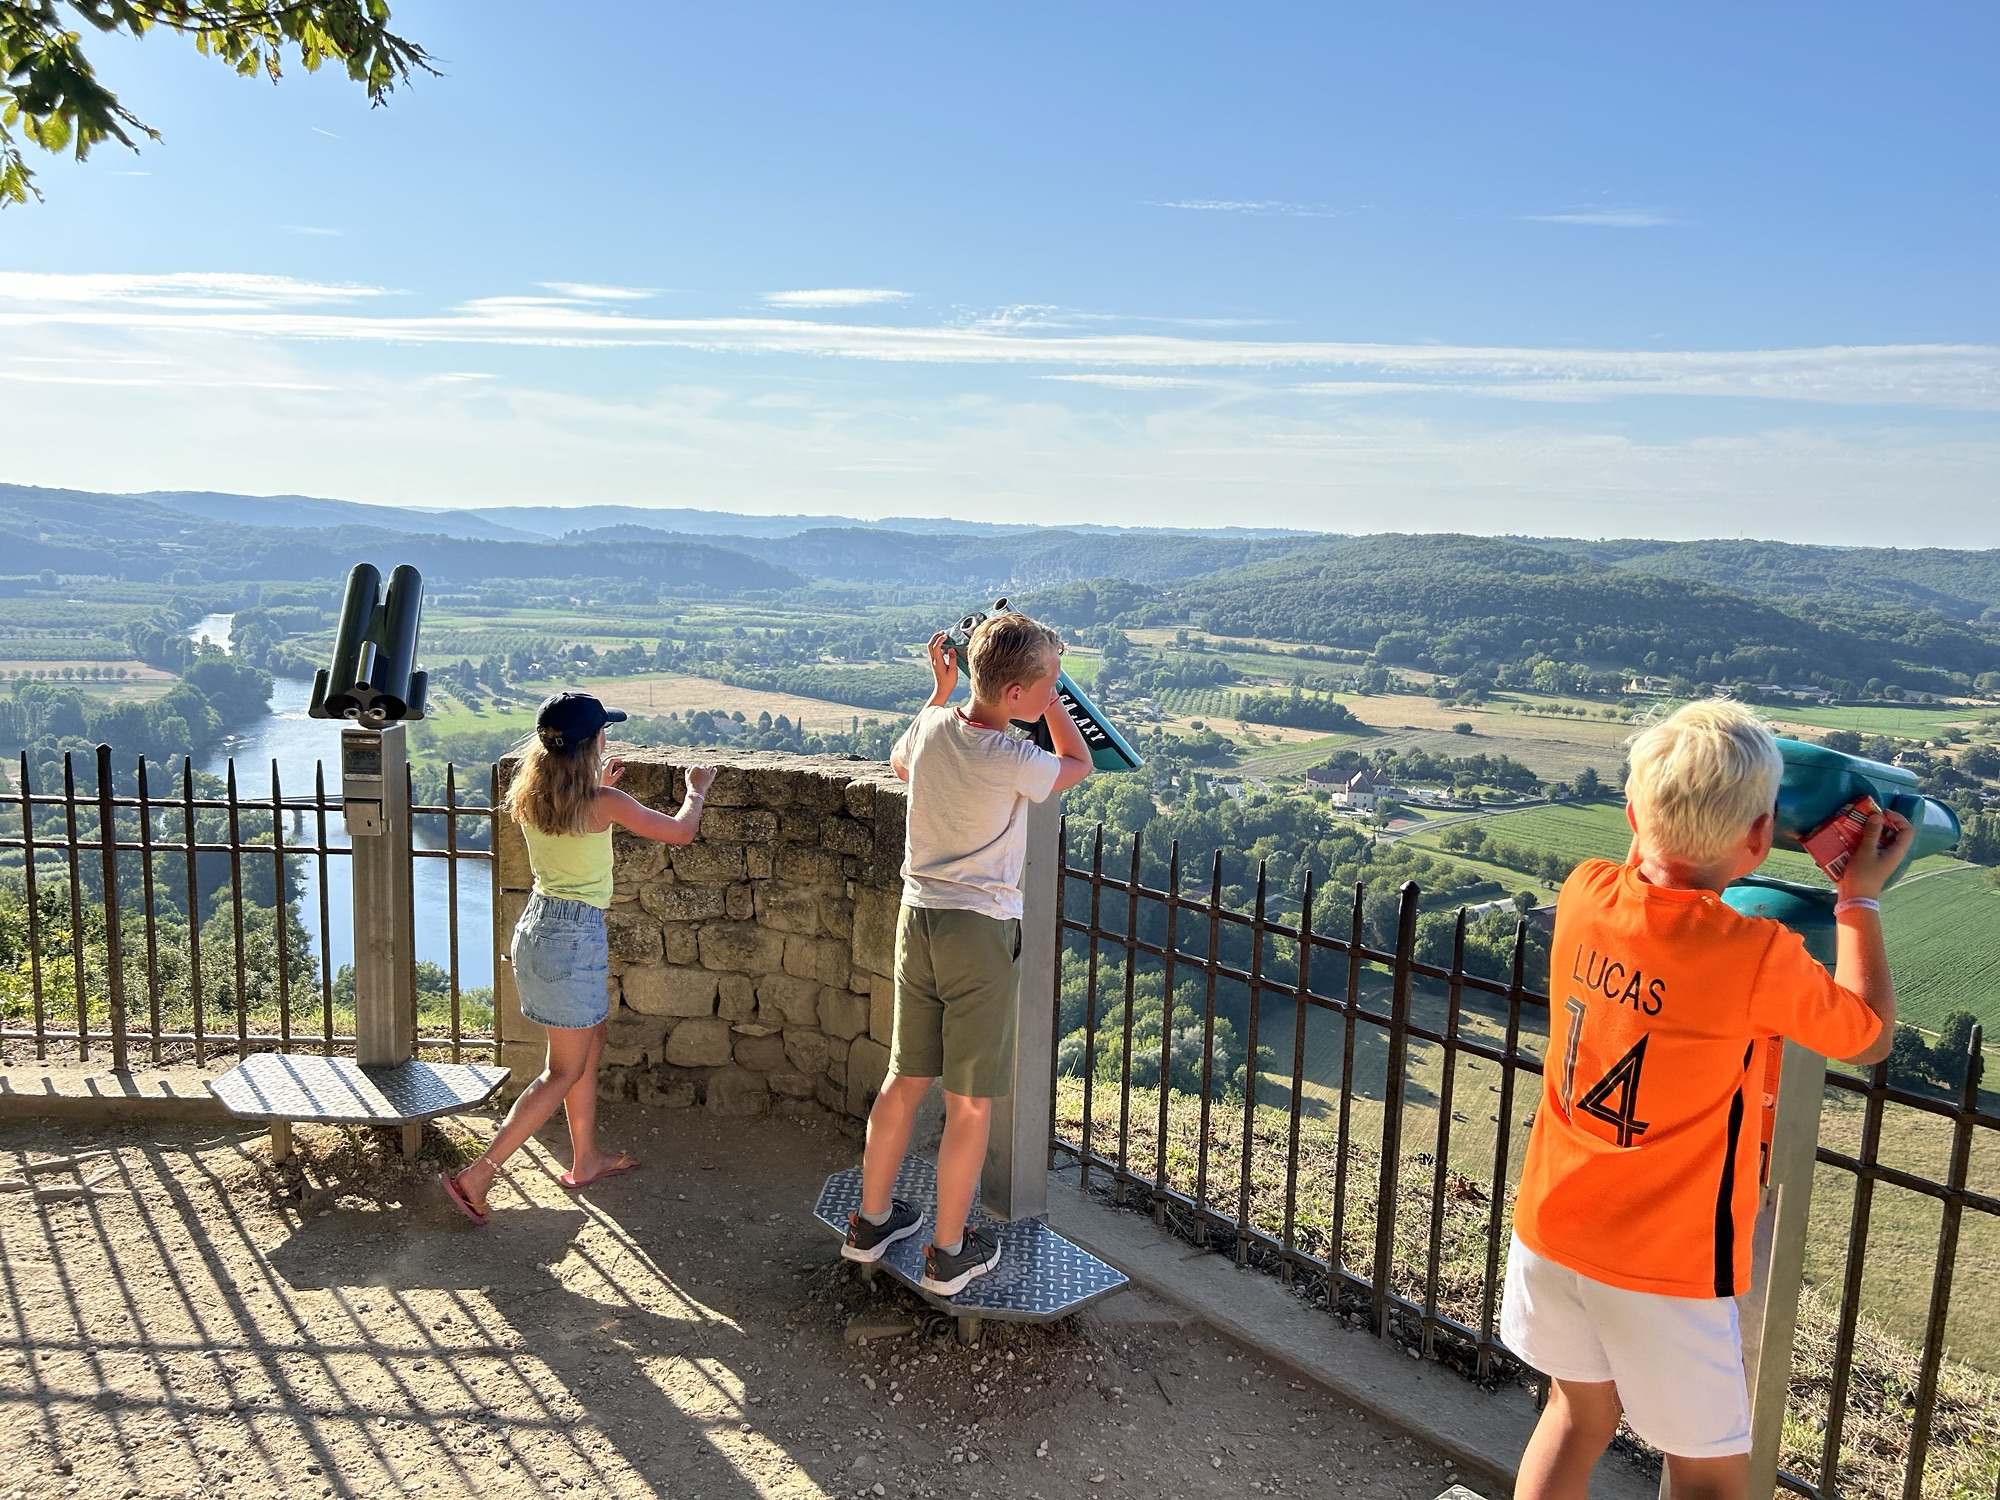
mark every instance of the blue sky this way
{"type": "Point", "coordinates": [1704, 270]}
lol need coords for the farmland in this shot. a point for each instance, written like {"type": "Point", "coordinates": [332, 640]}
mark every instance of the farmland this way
{"type": "Point", "coordinates": [1943, 932]}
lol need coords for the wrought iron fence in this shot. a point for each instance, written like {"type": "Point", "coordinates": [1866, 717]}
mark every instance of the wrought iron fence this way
{"type": "Point", "coordinates": [190, 920]}
{"type": "Point", "coordinates": [1276, 1081]}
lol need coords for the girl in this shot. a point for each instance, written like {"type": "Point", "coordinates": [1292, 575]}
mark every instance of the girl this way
{"type": "Point", "coordinates": [566, 801]}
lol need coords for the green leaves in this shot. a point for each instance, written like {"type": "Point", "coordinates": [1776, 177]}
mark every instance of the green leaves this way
{"type": "Point", "coordinates": [50, 96]}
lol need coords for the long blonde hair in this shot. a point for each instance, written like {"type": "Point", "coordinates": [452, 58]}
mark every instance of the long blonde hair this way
{"type": "Point", "coordinates": [553, 791]}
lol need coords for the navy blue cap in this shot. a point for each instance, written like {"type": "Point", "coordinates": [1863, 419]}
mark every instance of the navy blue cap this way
{"type": "Point", "coordinates": [569, 721]}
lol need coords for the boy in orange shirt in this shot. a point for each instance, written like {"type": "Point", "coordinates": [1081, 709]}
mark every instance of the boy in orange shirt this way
{"type": "Point", "coordinates": [1632, 1227]}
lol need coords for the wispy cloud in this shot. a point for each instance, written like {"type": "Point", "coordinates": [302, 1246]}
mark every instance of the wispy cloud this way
{"type": "Point", "coordinates": [327, 133]}
{"type": "Point", "coordinates": [836, 296]}
{"type": "Point", "coordinates": [1132, 382]}
{"type": "Point", "coordinates": [1606, 218]}
{"type": "Point", "coordinates": [590, 292]}
{"type": "Point", "coordinates": [310, 229]}
{"type": "Point", "coordinates": [1265, 206]}
{"type": "Point", "coordinates": [1963, 376]}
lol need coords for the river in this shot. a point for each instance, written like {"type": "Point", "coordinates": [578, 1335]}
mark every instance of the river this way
{"type": "Point", "coordinates": [299, 744]}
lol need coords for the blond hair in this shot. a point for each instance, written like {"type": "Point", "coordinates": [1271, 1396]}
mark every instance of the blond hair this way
{"type": "Point", "coordinates": [1009, 648]}
{"type": "Point", "coordinates": [553, 791]}
{"type": "Point", "coordinates": [1700, 778]}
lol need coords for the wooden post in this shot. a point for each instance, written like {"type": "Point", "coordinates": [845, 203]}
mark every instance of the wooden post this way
{"type": "Point", "coordinates": [375, 793]}
{"type": "Point", "coordinates": [1015, 1184]}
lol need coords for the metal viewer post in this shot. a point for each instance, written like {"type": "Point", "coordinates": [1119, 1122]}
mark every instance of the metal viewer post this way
{"type": "Point", "coordinates": [375, 797]}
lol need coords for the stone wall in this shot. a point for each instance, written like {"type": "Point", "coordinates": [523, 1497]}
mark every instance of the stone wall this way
{"type": "Point", "coordinates": [751, 967]}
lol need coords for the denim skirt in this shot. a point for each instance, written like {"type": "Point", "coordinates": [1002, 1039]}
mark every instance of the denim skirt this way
{"type": "Point", "coordinates": [561, 964]}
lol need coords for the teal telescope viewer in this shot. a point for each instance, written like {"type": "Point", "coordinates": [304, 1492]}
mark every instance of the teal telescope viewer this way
{"type": "Point", "coordinates": [373, 678]}
{"type": "Point", "coordinates": [1817, 784]}
{"type": "Point", "coordinates": [1109, 750]}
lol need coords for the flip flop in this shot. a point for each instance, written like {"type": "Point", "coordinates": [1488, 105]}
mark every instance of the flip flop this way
{"type": "Point", "coordinates": [625, 1162]}
{"type": "Point", "coordinates": [461, 1199]}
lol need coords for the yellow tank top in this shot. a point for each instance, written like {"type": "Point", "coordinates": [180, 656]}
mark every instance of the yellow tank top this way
{"type": "Point", "coordinates": [571, 866]}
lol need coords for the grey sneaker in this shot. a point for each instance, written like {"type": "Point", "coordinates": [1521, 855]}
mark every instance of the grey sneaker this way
{"type": "Point", "coordinates": [870, 1242]}
{"type": "Point", "coordinates": [947, 1275]}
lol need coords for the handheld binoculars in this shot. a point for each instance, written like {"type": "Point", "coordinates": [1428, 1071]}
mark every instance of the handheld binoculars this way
{"type": "Point", "coordinates": [1817, 784]}
{"type": "Point", "coordinates": [1109, 750]}
{"type": "Point", "coordinates": [373, 679]}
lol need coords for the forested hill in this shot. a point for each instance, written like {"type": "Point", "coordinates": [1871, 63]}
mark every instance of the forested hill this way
{"type": "Point", "coordinates": [1960, 585]}
{"type": "Point", "coordinates": [1452, 601]}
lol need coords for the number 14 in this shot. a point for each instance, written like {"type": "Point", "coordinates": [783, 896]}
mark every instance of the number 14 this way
{"type": "Point", "coordinates": [1614, 1098]}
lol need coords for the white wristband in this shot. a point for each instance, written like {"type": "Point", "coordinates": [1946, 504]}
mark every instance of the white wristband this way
{"type": "Point", "coordinates": [1856, 903]}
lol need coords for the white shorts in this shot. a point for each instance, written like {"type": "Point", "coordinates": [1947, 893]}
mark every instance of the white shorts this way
{"type": "Point", "coordinates": [1677, 1361]}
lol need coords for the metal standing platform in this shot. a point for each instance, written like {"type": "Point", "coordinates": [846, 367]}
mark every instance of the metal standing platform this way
{"type": "Point", "coordinates": [1041, 1275]}
{"type": "Point", "coordinates": [284, 1087]}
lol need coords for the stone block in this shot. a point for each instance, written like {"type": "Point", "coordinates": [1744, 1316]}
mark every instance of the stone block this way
{"type": "Point", "coordinates": [633, 1037]}
{"type": "Point", "coordinates": [663, 990]}
{"type": "Point", "coordinates": [731, 788]}
{"type": "Point", "coordinates": [786, 1001]}
{"type": "Point", "coordinates": [702, 1042]}
{"type": "Point", "coordinates": [740, 825]}
{"type": "Point", "coordinates": [791, 1085]}
{"type": "Point", "coordinates": [892, 809]}
{"type": "Point", "coordinates": [873, 945]}
{"type": "Point", "coordinates": [755, 1028]}
{"type": "Point", "coordinates": [860, 798]}
{"type": "Point", "coordinates": [807, 1050]}
{"type": "Point", "coordinates": [824, 959]}
{"type": "Point", "coordinates": [680, 942]}
{"type": "Point", "coordinates": [821, 791]}
{"type": "Point", "coordinates": [842, 1014]}
{"type": "Point", "coordinates": [667, 1088]}
{"type": "Point", "coordinates": [882, 1010]}
{"type": "Point", "coordinates": [742, 946]}
{"type": "Point", "coordinates": [739, 904]}
{"type": "Point", "coordinates": [652, 783]}
{"type": "Point", "coordinates": [762, 1054]}
{"type": "Point", "coordinates": [682, 903]}
{"type": "Point", "coordinates": [836, 915]}
{"type": "Point", "coordinates": [800, 825]}
{"type": "Point", "coordinates": [633, 936]}
{"type": "Point", "coordinates": [867, 1066]}
{"type": "Point", "coordinates": [831, 1094]}
{"type": "Point", "coordinates": [703, 863]}
{"type": "Point", "coordinates": [758, 861]}
{"type": "Point", "coordinates": [788, 909]}
{"type": "Point", "coordinates": [844, 835]}
{"type": "Point", "coordinates": [515, 875]}
{"type": "Point", "coordinates": [616, 1085]}
{"type": "Point", "coordinates": [772, 788]}
{"type": "Point", "coordinates": [737, 998]}
{"type": "Point", "coordinates": [735, 1091]}
{"type": "Point", "coordinates": [634, 859]}
{"type": "Point", "coordinates": [803, 864]}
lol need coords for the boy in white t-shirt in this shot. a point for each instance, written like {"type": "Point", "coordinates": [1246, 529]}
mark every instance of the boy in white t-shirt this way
{"type": "Point", "coordinates": [958, 936]}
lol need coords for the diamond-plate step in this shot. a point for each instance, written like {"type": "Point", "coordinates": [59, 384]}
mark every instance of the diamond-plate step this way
{"type": "Point", "coordinates": [1041, 1275]}
{"type": "Point", "coordinates": [290, 1087]}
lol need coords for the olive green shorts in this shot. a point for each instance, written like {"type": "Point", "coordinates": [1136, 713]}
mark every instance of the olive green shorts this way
{"type": "Point", "coordinates": [958, 981]}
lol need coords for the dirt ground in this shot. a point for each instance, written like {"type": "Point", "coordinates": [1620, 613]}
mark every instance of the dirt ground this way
{"type": "Point", "coordinates": [686, 1331]}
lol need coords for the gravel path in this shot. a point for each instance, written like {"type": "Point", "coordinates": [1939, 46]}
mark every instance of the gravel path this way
{"type": "Point", "coordinates": [686, 1331]}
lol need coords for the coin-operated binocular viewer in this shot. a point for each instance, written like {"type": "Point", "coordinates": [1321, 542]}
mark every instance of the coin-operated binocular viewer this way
{"type": "Point", "coordinates": [1109, 750]}
{"type": "Point", "coordinates": [374, 685]}
{"type": "Point", "coordinates": [1823, 797]}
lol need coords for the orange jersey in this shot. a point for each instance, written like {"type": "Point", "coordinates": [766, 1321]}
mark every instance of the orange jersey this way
{"type": "Point", "coordinates": [1642, 1168]}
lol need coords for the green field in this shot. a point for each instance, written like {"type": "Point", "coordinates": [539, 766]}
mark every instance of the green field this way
{"type": "Point", "coordinates": [1909, 723]}
{"type": "Point", "coordinates": [1943, 932]}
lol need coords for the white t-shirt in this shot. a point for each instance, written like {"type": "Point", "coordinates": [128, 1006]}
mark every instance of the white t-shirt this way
{"type": "Point", "coordinates": [968, 827]}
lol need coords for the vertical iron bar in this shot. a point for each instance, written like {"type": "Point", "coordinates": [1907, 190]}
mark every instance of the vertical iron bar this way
{"type": "Point", "coordinates": [1210, 963]}
{"type": "Point", "coordinates": [1125, 1052]}
{"type": "Point", "coordinates": [75, 908]}
{"type": "Point", "coordinates": [1343, 1128]}
{"type": "Point", "coordinates": [1090, 1005]}
{"type": "Point", "coordinates": [1388, 1180]}
{"type": "Point", "coordinates": [34, 912]}
{"type": "Point", "coordinates": [1925, 1398]}
{"type": "Point", "coordinates": [493, 904]}
{"type": "Point", "coordinates": [1850, 1290]}
{"type": "Point", "coordinates": [114, 935]}
{"type": "Point", "coordinates": [325, 911]}
{"type": "Point", "coordinates": [1298, 1075]}
{"type": "Point", "coordinates": [191, 836]}
{"type": "Point", "coordinates": [451, 905]}
{"type": "Point", "coordinates": [1055, 1011]}
{"type": "Point", "coordinates": [1167, 1034]}
{"type": "Point", "coordinates": [1250, 1076]}
{"type": "Point", "coordinates": [152, 906]}
{"type": "Point", "coordinates": [282, 897]}
{"type": "Point", "coordinates": [1489, 1294]}
{"type": "Point", "coordinates": [1441, 1167]}
{"type": "Point", "coordinates": [236, 911]}
{"type": "Point", "coordinates": [410, 915]}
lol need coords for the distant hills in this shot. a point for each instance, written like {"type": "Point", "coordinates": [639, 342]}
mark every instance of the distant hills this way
{"type": "Point", "coordinates": [1714, 610]}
